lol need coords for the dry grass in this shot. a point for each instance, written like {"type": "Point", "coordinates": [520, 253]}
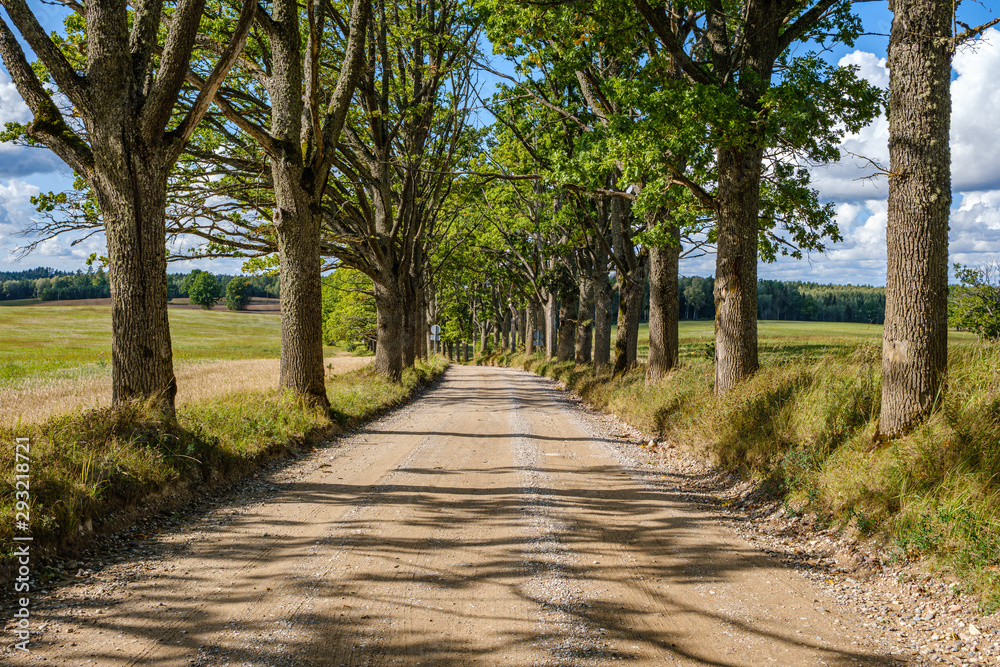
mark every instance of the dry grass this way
{"type": "Point", "coordinates": [95, 468]}
{"type": "Point", "coordinates": [39, 399]}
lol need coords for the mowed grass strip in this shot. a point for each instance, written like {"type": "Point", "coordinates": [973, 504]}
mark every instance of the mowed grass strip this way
{"type": "Point", "coordinates": [92, 471]}
{"type": "Point", "coordinates": [802, 427]}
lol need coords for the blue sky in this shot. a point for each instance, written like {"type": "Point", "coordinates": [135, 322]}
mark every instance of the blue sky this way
{"type": "Point", "coordinates": [861, 204]}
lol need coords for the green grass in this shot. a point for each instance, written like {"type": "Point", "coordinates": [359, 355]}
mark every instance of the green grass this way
{"type": "Point", "coordinates": [803, 426]}
{"type": "Point", "coordinates": [99, 465]}
{"type": "Point", "coordinates": [53, 342]}
{"type": "Point", "coordinates": [19, 302]}
{"type": "Point", "coordinates": [781, 339]}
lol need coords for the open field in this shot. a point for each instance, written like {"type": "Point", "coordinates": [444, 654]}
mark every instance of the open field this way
{"type": "Point", "coordinates": [31, 403]}
{"type": "Point", "coordinates": [59, 342]}
{"type": "Point", "coordinates": [56, 360]}
{"type": "Point", "coordinates": [778, 339]}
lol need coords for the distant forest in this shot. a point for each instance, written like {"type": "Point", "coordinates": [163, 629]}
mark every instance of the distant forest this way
{"type": "Point", "coordinates": [792, 300]}
{"type": "Point", "coordinates": [776, 300]}
{"type": "Point", "coordinates": [51, 285]}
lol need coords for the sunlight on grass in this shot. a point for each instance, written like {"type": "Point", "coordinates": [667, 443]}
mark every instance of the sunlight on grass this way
{"type": "Point", "coordinates": [41, 344]}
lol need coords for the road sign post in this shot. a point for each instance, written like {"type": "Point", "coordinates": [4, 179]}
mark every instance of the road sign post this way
{"type": "Point", "coordinates": [436, 337]}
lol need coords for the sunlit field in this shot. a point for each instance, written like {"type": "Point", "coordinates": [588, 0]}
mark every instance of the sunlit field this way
{"type": "Point", "coordinates": [57, 359]}
{"type": "Point", "coordinates": [782, 339]}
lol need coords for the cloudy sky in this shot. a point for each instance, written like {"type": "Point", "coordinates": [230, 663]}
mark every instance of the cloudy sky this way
{"type": "Point", "coordinates": [860, 203]}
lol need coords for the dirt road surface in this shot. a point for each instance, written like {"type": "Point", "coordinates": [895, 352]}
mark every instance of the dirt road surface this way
{"type": "Point", "coordinates": [490, 522]}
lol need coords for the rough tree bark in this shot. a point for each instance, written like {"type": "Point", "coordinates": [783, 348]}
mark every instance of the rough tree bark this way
{"type": "Point", "coordinates": [568, 311]}
{"type": "Point", "coordinates": [411, 314]}
{"type": "Point", "coordinates": [420, 341]}
{"type": "Point", "coordinates": [505, 325]}
{"type": "Point", "coordinates": [585, 313]}
{"type": "Point", "coordinates": [736, 267]}
{"type": "Point", "coordinates": [550, 312]}
{"type": "Point", "coordinates": [602, 312]}
{"type": "Point", "coordinates": [389, 318]}
{"type": "Point", "coordinates": [915, 337]}
{"type": "Point", "coordinates": [738, 202]}
{"type": "Point", "coordinates": [664, 305]}
{"type": "Point", "coordinates": [631, 286]}
{"type": "Point", "coordinates": [300, 143]}
{"type": "Point", "coordinates": [531, 325]}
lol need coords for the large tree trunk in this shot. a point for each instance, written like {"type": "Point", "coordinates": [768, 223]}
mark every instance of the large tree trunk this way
{"type": "Point", "coordinates": [603, 293]}
{"type": "Point", "coordinates": [389, 316]}
{"type": "Point", "coordinates": [631, 292]}
{"type": "Point", "coordinates": [522, 325]}
{"type": "Point", "coordinates": [296, 224]}
{"type": "Point", "coordinates": [408, 346]}
{"type": "Point", "coordinates": [514, 327]}
{"type": "Point", "coordinates": [506, 331]}
{"type": "Point", "coordinates": [550, 312]}
{"type": "Point", "coordinates": [736, 267]}
{"type": "Point", "coordinates": [133, 204]}
{"type": "Point", "coordinates": [420, 336]}
{"type": "Point", "coordinates": [641, 275]}
{"type": "Point", "coordinates": [664, 309]}
{"type": "Point", "coordinates": [585, 313]}
{"type": "Point", "coordinates": [530, 326]}
{"type": "Point", "coordinates": [915, 337]}
{"type": "Point", "coordinates": [568, 310]}
{"type": "Point", "coordinates": [297, 232]}
{"type": "Point", "coordinates": [738, 204]}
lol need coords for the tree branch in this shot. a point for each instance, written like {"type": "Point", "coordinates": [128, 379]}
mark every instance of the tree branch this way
{"type": "Point", "coordinates": [70, 83]}
{"type": "Point", "coordinates": [173, 68]}
{"type": "Point", "coordinates": [672, 45]}
{"type": "Point", "coordinates": [803, 23]}
{"type": "Point", "coordinates": [350, 71]}
{"type": "Point", "coordinates": [972, 33]}
{"type": "Point", "coordinates": [207, 92]}
{"type": "Point", "coordinates": [49, 127]}
{"type": "Point", "coordinates": [142, 39]}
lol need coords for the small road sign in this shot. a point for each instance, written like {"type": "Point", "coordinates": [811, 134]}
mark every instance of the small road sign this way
{"type": "Point", "coordinates": [539, 338]}
{"type": "Point", "coordinates": [435, 329]}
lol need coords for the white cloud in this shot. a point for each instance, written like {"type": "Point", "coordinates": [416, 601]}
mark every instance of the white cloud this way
{"type": "Point", "coordinates": [871, 68]}
{"type": "Point", "coordinates": [848, 180]}
{"type": "Point", "coordinates": [975, 121]}
{"type": "Point", "coordinates": [15, 212]}
{"type": "Point", "coordinates": [17, 160]}
{"type": "Point", "coordinates": [975, 128]}
{"type": "Point", "coordinates": [12, 107]}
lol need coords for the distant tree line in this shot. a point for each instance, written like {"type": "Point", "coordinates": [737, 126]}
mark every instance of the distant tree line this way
{"type": "Point", "coordinates": [52, 285]}
{"type": "Point", "coordinates": [791, 300]}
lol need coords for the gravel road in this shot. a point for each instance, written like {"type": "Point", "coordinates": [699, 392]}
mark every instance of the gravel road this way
{"type": "Point", "coordinates": [491, 521]}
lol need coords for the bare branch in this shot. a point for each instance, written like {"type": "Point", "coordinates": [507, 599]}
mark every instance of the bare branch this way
{"type": "Point", "coordinates": [972, 33]}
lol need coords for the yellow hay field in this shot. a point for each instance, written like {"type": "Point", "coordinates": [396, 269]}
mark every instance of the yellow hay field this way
{"type": "Point", "coordinates": [32, 402]}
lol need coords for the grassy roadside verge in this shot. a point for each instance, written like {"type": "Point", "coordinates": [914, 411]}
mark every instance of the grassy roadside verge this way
{"type": "Point", "coordinates": [802, 428]}
{"type": "Point", "coordinates": [93, 471]}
